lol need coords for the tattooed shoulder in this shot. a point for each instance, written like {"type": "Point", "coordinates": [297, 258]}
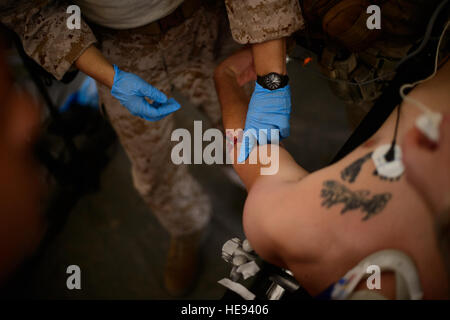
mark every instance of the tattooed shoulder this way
{"type": "Point", "coordinates": [334, 193]}
{"type": "Point", "coordinates": [351, 172]}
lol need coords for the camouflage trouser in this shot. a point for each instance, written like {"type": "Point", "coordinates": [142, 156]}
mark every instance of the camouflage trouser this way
{"type": "Point", "coordinates": [184, 58]}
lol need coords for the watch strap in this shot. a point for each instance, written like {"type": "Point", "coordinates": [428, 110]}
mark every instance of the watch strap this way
{"type": "Point", "coordinates": [262, 80]}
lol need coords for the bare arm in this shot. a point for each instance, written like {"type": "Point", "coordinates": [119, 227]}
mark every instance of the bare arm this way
{"type": "Point", "coordinates": [229, 78]}
{"type": "Point", "coordinates": [95, 65]}
{"type": "Point", "coordinates": [259, 212]}
{"type": "Point", "coordinates": [270, 56]}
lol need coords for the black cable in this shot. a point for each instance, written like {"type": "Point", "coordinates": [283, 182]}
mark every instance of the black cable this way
{"type": "Point", "coordinates": [390, 155]}
{"type": "Point", "coordinates": [426, 36]}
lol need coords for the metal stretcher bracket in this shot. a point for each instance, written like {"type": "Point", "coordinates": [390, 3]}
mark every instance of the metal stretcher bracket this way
{"type": "Point", "coordinates": [244, 266]}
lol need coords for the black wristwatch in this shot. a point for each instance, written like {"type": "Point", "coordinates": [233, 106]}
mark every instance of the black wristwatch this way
{"type": "Point", "coordinates": [272, 81]}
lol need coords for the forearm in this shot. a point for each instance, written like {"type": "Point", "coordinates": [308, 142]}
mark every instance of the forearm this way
{"type": "Point", "coordinates": [94, 64]}
{"type": "Point", "coordinates": [270, 56]}
{"type": "Point", "coordinates": [233, 100]}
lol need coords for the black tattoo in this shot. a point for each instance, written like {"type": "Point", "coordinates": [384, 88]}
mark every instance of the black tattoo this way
{"type": "Point", "coordinates": [351, 172]}
{"type": "Point", "coordinates": [334, 193]}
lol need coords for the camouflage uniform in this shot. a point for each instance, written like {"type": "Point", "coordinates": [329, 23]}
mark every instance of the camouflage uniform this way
{"type": "Point", "coordinates": [183, 57]}
{"type": "Point", "coordinates": [254, 21]}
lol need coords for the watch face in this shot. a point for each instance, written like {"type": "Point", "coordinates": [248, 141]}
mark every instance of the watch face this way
{"type": "Point", "coordinates": [272, 81]}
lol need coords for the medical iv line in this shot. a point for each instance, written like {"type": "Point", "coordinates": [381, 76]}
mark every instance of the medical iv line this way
{"type": "Point", "coordinates": [428, 122]}
{"type": "Point", "coordinates": [417, 103]}
{"type": "Point", "coordinates": [425, 109]}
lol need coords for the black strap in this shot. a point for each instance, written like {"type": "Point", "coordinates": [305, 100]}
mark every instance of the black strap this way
{"type": "Point", "coordinates": [261, 80]}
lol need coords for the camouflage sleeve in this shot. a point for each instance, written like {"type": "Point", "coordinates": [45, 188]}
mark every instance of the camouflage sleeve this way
{"type": "Point", "coordinates": [254, 21]}
{"type": "Point", "coordinates": [41, 26]}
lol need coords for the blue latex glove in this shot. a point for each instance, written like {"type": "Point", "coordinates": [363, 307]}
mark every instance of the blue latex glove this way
{"type": "Point", "coordinates": [131, 91]}
{"type": "Point", "coordinates": [268, 109]}
{"type": "Point", "coordinates": [87, 95]}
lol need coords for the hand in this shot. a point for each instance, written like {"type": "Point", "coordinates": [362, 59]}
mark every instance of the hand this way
{"type": "Point", "coordinates": [267, 110]}
{"type": "Point", "coordinates": [132, 92]}
{"type": "Point", "coordinates": [428, 166]}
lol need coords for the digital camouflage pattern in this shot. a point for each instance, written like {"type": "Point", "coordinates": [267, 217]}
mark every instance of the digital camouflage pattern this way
{"type": "Point", "coordinates": [255, 21]}
{"type": "Point", "coordinates": [183, 58]}
{"type": "Point", "coordinates": [41, 26]}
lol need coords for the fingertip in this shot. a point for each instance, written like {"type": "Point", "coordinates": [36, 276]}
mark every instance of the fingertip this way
{"type": "Point", "coordinates": [160, 97]}
{"type": "Point", "coordinates": [251, 146]}
{"type": "Point", "coordinates": [116, 70]}
{"type": "Point", "coordinates": [284, 133]}
{"type": "Point", "coordinates": [242, 153]}
{"type": "Point", "coordinates": [174, 105]}
{"type": "Point", "coordinates": [154, 94]}
{"type": "Point", "coordinates": [167, 109]}
{"type": "Point", "coordinates": [263, 138]}
{"type": "Point", "coordinates": [174, 102]}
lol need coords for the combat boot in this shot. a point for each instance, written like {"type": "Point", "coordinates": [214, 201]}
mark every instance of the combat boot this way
{"type": "Point", "coordinates": [182, 263]}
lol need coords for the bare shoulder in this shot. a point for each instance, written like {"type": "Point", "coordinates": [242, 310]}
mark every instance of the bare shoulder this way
{"type": "Point", "coordinates": [263, 209]}
{"type": "Point", "coordinates": [282, 223]}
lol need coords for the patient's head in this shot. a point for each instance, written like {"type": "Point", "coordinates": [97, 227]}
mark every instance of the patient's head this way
{"type": "Point", "coordinates": [21, 223]}
{"type": "Point", "coordinates": [428, 165]}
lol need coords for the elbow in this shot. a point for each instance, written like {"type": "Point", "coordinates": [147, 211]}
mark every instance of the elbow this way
{"type": "Point", "coordinates": [222, 71]}
{"type": "Point", "coordinates": [218, 72]}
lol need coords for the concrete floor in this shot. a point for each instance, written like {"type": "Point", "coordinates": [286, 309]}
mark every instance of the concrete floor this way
{"type": "Point", "coordinates": [120, 246]}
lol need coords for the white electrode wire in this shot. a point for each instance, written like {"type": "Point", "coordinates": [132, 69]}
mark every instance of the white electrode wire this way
{"type": "Point", "coordinates": [415, 102]}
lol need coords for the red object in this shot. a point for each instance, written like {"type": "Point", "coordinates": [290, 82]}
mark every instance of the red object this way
{"type": "Point", "coordinates": [307, 61]}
